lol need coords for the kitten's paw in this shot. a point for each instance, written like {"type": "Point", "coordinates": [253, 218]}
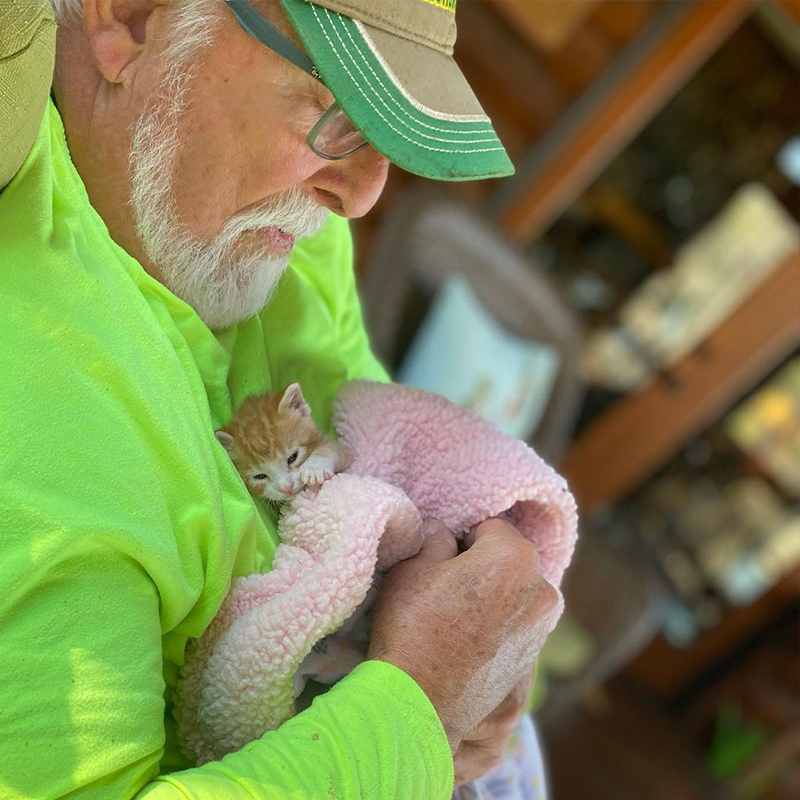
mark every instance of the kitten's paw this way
{"type": "Point", "coordinates": [315, 474]}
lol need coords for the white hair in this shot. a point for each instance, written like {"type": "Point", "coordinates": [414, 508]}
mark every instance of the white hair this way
{"type": "Point", "coordinates": [69, 10]}
{"type": "Point", "coordinates": [66, 10]}
{"type": "Point", "coordinates": [223, 284]}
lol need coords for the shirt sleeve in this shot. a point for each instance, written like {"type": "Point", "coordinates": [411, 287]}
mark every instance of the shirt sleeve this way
{"type": "Point", "coordinates": [117, 544]}
{"type": "Point", "coordinates": [81, 694]}
{"type": "Point", "coordinates": [373, 736]}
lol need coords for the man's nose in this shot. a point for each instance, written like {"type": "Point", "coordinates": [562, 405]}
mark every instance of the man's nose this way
{"type": "Point", "coordinates": [351, 186]}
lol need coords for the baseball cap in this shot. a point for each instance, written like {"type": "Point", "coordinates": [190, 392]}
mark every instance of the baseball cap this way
{"type": "Point", "coordinates": [390, 66]}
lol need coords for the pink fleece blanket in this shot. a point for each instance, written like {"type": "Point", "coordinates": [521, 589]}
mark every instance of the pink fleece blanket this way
{"type": "Point", "coordinates": [416, 455]}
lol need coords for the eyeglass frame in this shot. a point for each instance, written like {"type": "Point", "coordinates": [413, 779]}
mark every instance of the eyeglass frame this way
{"type": "Point", "coordinates": [261, 29]}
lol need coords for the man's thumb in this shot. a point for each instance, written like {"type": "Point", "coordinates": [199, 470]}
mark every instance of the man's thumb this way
{"type": "Point", "coordinates": [439, 544]}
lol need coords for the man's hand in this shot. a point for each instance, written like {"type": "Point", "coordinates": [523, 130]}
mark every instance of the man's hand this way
{"type": "Point", "coordinates": [482, 748]}
{"type": "Point", "coordinates": [466, 626]}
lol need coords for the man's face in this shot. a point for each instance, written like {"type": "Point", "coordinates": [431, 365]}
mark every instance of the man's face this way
{"type": "Point", "coordinates": [221, 180]}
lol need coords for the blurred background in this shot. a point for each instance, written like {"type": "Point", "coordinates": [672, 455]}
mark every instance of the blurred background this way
{"type": "Point", "coordinates": [629, 302]}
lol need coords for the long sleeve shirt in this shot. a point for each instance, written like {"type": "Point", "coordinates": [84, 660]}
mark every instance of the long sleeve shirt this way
{"type": "Point", "coordinates": [123, 521]}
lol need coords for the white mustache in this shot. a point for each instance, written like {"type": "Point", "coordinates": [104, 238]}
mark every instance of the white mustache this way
{"type": "Point", "coordinates": [292, 212]}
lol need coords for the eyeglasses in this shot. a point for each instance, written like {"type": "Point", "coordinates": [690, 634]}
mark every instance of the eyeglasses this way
{"type": "Point", "coordinates": [334, 136]}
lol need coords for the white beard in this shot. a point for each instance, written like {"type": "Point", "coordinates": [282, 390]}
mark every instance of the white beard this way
{"type": "Point", "coordinates": [223, 288]}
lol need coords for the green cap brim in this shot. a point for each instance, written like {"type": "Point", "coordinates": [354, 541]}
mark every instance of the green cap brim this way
{"type": "Point", "coordinates": [435, 144]}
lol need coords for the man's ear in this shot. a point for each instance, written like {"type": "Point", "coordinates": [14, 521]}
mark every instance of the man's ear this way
{"type": "Point", "coordinates": [118, 32]}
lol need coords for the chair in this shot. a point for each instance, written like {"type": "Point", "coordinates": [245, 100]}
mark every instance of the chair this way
{"type": "Point", "coordinates": [426, 238]}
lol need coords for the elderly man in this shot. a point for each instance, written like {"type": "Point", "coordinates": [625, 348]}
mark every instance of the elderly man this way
{"type": "Point", "coordinates": [166, 249]}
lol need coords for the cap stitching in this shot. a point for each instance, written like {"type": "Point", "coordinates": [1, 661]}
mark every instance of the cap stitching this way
{"type": "Point", "coordinates": [482, 120]}
{"type": "Point", "coordinates": [391, 111]}
{"type": "Point", "coordinates": [412, 118]}
{"type": "Point", "coordinates": [377, 110]}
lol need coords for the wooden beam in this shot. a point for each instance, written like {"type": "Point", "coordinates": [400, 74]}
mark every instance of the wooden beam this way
{"type": "Point", "coordinates": [546, 24]}
{"type": "Point", "coordinates": [585, 58]}
{"type": "Point", "coordinates": [621, 20]}
{"type": "Point", "coordinates": [793, 7]}
{"type": "Point", "coordinates": [582, 147]}
{"type": "Point", "coordinates": [640, 432]}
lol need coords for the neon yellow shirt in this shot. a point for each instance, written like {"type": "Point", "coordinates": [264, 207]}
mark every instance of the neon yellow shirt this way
{"type": "Point", "coordinates": [122, 520]}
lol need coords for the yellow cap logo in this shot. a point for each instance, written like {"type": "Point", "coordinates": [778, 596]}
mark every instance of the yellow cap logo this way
{"type": "Point", "coordinates": [448, 5]}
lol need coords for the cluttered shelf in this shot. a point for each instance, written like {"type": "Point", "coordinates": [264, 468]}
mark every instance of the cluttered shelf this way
{"type": "Point", "coordinates": [697, 461]}
{"type": "Point", "coordinates": [685, 312]}
{"type": "Point", "coordinates": [694, 474]}
{"type": "Point", "coordinates": [651, 424]}
{"type": "Point", "coordinates": [723, 523]}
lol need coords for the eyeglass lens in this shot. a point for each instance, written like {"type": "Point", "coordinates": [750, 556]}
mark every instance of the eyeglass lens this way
{"type": "Point", "coordinates": [334, 136]}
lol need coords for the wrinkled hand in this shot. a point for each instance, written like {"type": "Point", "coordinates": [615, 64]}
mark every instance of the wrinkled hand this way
{"type": "Point", "coordinates": [483, 747]}
{"type": "Point", "coordinates": [466, 626]}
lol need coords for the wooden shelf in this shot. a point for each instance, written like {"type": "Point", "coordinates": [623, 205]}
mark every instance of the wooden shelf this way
{"type": "Point", "coordinates": [649, 426]}
{"type": "Point", "coordinates": [665, 670]}
{"type": "Point", "coordinates": [639, 433]}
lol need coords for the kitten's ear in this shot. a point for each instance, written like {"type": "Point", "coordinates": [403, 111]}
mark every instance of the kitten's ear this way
{"type": "Point", "coordinates": [225, 439]}
{"type": "Point", "coordinates": [293, 400]}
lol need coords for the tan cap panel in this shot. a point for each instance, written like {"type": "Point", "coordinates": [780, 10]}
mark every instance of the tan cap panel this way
{"type": "Point", "coordinates": [426, 77]}
{"type": "Point", "coordinates": [415, 20]}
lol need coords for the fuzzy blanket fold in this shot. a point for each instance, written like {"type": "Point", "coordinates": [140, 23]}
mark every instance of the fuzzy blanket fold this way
{"type": "Point", "coordinates": [416, 455]}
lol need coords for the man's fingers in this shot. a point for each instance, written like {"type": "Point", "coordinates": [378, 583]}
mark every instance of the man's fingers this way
{"type": "Point", "coordinates": [439, 544]}
{"type": "Point", "coordinates": [494, 532]}
{"type": "Point", "coordinates": [474, 759]}
{"type": "Point", "coordinates": [492, 527]}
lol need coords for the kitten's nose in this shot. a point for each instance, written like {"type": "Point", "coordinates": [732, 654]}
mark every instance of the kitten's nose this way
{"type": "Point", "coordinates": [287, 488]}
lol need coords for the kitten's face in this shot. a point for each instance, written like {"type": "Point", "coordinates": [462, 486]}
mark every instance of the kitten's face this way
{"type": "Point", "coordinates": [268, 441]}
{"type": "Point", "coordinates": [273, 472]}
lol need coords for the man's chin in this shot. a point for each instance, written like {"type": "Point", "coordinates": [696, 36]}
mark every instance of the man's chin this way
{"type": "Point", "coordinates": [230, 302]}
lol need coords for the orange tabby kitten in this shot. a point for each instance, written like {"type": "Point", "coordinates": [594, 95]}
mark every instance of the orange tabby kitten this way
{"type": "Point", "coordinates": [276, 447]}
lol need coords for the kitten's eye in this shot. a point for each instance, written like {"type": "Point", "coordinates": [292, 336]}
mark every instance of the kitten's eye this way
{"type": "Point", "coordinates": [260, 477]}
{"type": "Point", "coordinates": [292, 458]}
